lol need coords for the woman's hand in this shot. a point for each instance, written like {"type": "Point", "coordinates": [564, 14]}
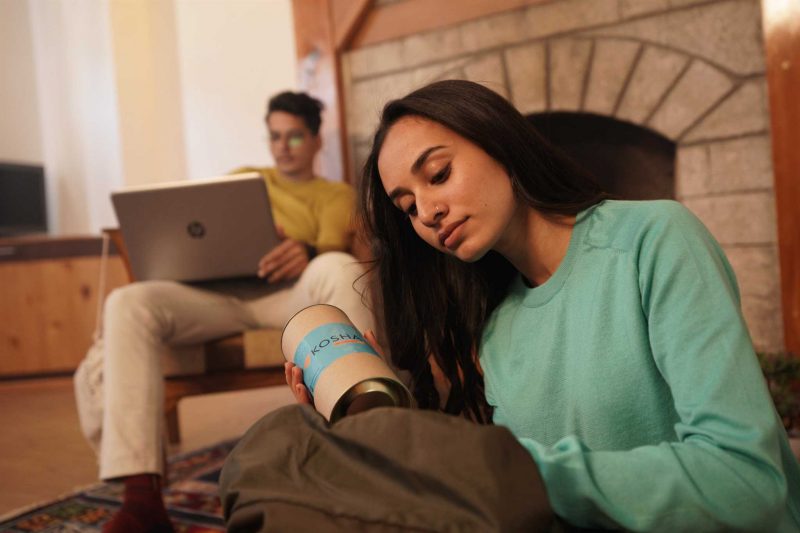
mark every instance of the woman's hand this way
{"type": "Point", "coordinates": [294, 378]}
{"type": "Point", "coordinates": [294, 374]}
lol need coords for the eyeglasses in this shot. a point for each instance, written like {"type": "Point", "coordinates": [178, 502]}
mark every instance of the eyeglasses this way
{"type": "Point", "coordinates": [294, 139]}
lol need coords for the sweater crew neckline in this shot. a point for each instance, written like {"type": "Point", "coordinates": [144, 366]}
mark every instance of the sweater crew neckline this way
{"type": "Point", "coordinates": [540, 295]}
{"type": "Point", "coordinates": [280, 178]}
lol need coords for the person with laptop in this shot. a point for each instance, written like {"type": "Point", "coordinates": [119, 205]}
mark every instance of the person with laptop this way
{"type": "Point", "coordinates": [123, 418]}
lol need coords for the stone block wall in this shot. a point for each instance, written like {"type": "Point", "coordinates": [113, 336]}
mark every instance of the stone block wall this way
{"type": "Point", "coordinates": [691, 70]}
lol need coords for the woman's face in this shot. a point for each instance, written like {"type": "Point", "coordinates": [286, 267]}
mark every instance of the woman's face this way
{"type": "Point", "coordinates": [456, 197]}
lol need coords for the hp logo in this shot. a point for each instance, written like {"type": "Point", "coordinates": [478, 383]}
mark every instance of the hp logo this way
{"type": "Point", "coordinates": [196, 230]}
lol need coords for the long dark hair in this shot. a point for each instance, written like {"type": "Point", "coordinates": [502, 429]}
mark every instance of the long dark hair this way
{"type": "Point", "coordinates": [434, 304]}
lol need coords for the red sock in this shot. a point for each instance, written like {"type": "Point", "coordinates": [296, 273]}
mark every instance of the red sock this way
{"type": "Point", "coordinates": [142, 508]}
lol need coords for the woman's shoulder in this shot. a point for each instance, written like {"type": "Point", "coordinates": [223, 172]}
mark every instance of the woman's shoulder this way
{"type": "Point", "coordinates": [643, 210]}
{"type": "Point", "coordinates": [622, 224]}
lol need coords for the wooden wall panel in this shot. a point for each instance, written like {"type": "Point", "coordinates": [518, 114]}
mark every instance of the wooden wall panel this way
{"type": "Point", "coordinates": [782, 44]}
{"type": "Point", "coordinates": [47, 312]}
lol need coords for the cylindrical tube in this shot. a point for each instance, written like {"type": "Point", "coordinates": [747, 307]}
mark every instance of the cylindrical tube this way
{"type": "Point", "coordinates": [340, 369]}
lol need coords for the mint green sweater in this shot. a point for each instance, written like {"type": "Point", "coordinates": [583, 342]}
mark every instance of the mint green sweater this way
{"type": "Point", "coordinates": [631, 379]}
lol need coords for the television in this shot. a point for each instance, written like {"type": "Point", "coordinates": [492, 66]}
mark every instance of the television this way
{"type": "Point", "coordinates": [23, 208]}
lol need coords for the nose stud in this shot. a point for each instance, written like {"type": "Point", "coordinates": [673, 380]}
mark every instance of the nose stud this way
{"type": "Point", "coordinates": [436, 210]}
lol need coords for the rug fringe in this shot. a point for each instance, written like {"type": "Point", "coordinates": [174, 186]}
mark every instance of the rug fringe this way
{"type": "Point", "coordinates": [16, 513]}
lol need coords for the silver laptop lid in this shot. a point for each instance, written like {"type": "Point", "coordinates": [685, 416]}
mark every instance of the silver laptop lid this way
{"type": "Point", "coordinates": [196, 230]}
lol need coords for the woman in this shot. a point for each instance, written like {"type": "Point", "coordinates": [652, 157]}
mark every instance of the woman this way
{"type": "Point", "coordinates": [606, 335]}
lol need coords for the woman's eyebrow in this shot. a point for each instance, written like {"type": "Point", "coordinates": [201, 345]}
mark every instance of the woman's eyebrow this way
{"type": "Point", "coordinates": [422, 157]}
{"type": "Point", "coordinates": [399, 191]}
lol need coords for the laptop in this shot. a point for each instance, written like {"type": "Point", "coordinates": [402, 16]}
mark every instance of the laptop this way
{"type": "Point", "coordinates": [199, 230]}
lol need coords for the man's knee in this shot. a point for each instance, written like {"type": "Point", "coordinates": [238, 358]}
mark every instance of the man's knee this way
{"type": "Point", "coordinates": [138, 302]}
{"type": "Point", "coordinates": [338, 266]}
{"type": "Point", "coordinates": [329, 273]}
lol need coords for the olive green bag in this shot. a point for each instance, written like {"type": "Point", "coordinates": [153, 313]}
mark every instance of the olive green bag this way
{"type": "Point", "coordinates": [387, 469]}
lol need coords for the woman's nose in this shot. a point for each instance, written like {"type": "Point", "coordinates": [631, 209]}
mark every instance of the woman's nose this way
{"type": "Point", "coordinates": [430, 213]}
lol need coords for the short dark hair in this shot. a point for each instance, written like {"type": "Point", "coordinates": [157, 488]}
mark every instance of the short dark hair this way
{"type": "Point", "coordinates": [300, 104]}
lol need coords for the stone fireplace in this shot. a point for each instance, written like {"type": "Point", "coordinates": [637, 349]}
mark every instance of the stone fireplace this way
{"type": "Point", "coordinates": [630, 162]}
{"type": "Point", "coordinates": [687, 75]}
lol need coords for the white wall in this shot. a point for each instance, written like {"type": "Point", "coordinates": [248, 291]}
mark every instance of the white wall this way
{"type": "Point", "coordinates": [78, 110]}
{"type": "Point", "coordinates": [20, 137]}
{"type": "Point", "coordinates": [233, 55]}
{"type": "Point", "coordinates": [147, 77]}
{"type": "Point", "coordinates": [129, 92]}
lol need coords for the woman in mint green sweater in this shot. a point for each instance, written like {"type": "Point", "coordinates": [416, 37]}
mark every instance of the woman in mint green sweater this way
{"type": "Point", "coordinates": [606, 335]}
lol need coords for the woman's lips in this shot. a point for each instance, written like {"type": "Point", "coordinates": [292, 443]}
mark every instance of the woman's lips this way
{"type": "Point", "coordinates": [450, 235]}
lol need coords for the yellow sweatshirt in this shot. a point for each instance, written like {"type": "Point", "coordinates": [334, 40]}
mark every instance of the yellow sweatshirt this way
{"type": "Point", "coordinates": [318, 212]}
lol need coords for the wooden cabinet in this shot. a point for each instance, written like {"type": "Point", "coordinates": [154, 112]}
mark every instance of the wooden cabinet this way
{"type": "Point", "coordinates": [48, 301]}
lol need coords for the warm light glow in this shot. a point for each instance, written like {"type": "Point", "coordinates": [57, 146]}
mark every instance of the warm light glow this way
{"type": "Point", "coordinates": [780, 12]}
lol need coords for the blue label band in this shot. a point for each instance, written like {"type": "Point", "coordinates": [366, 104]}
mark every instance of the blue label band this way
{"type": "Point", "coordinates": [324, 345]}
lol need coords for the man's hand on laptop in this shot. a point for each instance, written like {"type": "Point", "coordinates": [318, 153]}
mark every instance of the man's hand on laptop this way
{"type": "Point", "coordinates": [284, 262]}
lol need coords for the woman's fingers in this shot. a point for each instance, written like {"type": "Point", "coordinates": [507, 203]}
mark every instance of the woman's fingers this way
{"type": "Point", "coordinates": [287, 371]}
{"type": "Point", "coordinates": [302, 395]}
{"type": "Point", "coordinates": [294, 378]}
{"type": "Point", "coordinates": [299, 390]}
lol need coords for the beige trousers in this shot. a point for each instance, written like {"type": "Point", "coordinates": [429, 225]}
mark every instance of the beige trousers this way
{"type": "Point", "coordinates": [119, 386]}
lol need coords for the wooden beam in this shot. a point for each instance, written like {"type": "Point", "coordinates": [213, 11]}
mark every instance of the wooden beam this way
{"type": "Point", "coordinates": [395, 20]}
{"type": "Point", "coordinates": [348, 16]}
{"type": "Point", "coordinates": [781, 20]}
{"type": "Point", "coordinates": [312, 25]}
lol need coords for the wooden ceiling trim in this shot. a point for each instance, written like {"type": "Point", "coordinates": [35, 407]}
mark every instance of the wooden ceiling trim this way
{"type": "Point", "coordinates": [400, 19]}
{"type": "Point", "coordinates": [348, 16]}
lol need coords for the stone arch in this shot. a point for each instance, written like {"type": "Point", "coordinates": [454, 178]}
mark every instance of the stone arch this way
{"type": "Point", "coordinates": [653, 86]}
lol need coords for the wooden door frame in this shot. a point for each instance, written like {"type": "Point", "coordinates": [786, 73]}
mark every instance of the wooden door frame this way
{"type": "Point", "coordinates": [781, 21]}
{"type": "Point", "coordinates": [323, 31]}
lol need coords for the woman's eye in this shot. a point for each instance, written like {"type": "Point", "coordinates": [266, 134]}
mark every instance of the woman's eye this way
{"type": "Point", "coordinates": [411, 211]}
{"type": "Point", "coordinates": [442, 175]}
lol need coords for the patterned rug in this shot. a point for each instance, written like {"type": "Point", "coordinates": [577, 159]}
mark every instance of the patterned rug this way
{"type": "Point", "coordinates": [191, 499]}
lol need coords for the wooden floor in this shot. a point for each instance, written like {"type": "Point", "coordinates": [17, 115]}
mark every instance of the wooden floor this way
{"type": "Point", "coordinates": [43, 454]}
